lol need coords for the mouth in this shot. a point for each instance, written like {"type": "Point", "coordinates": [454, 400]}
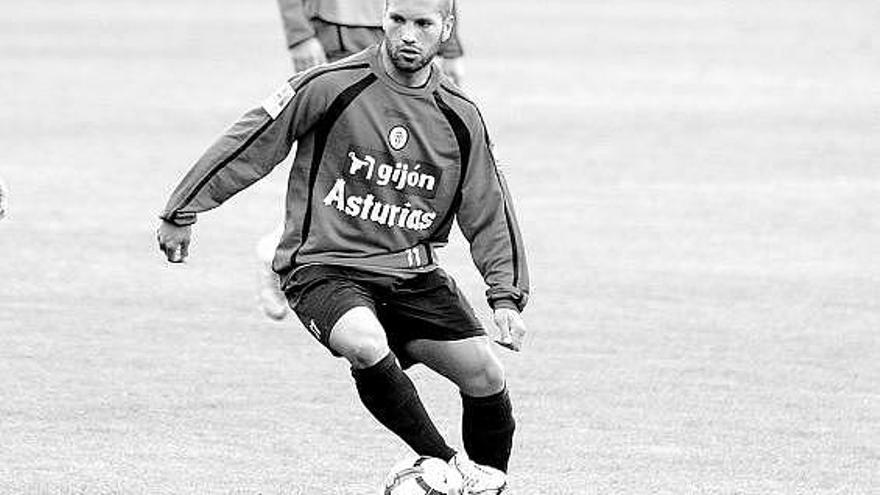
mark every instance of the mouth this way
{"type": "Point", "coordinates": [409, 52]}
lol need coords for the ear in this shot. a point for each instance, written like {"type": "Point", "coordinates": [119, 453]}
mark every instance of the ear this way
{"type": "Point", "coordinates": [448, 23]}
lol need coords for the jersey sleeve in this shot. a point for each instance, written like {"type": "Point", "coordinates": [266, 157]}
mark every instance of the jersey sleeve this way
{"type": "Point", "coordinates": [246, 152]}
{"type": "Point", "coordinates": [488, 221]}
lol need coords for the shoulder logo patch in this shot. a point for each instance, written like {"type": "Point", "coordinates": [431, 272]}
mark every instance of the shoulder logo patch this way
{"type": "Point", "coordinates": [398, 136]}
{"type": "Point", "coordinates": [275, 103]}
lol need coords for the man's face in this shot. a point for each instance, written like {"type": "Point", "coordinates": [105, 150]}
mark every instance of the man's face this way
{"type": "Point", "coordinates": [414, 30]}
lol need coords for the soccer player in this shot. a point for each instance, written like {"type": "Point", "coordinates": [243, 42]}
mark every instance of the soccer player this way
{"type": "Point", "coordinates": [388, 155]}
{"type": "Point", "coordinates": [318, 31]}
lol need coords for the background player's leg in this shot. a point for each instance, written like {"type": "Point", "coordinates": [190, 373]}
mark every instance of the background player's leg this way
{"type": "Point", "coordinates": [383, 387]}
{"type": "Point", "coordinates": [487, 416]}
{"type": "Point", "coordinates": [272, 301]}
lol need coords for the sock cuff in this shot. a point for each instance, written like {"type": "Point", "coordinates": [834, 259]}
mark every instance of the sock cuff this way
{"type": "Point", "coordinates": [380, 368]}
{"type": "Point", "coordinates": [488, 400]}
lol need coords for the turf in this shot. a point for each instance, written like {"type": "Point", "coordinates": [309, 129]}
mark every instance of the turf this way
{"type": "Point", "coordinates": [697, 183]}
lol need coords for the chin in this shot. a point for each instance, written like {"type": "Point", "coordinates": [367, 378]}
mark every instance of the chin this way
{"type": "Point", "coordinates": [410, 67]}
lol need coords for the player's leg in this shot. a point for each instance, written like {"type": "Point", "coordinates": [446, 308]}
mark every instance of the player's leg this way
{"type": "Point", "coordinates": [487, 415]}
{"type": "Point", "coordinates": [434, 324]}
{"type": "Point", "coordinates": [385, 390]}
{"type": "Point", "coordinates": [341, 314]}
{"type": "Point", "coordinates": [271, 299]}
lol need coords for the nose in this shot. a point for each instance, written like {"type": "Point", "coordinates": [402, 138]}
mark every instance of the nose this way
{"type": "Point", "coordinates": [408, 33]}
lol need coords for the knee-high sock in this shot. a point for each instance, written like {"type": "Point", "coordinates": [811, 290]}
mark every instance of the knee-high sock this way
{"type": "Point", "coordinates": [391, 398]}
{"type": "Point", "coordinates": [487, 429]}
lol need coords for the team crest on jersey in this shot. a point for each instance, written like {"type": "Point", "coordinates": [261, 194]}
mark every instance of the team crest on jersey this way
{"type": "Point", "coordinates": [398, 136]}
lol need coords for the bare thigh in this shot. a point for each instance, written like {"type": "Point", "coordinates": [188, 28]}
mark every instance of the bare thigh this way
{"type": "Point", "coordinates": [359, 337]}
{"type": "Point", "coordinates": [469, 363]}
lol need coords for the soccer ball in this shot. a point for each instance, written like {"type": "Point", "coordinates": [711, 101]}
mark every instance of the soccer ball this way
{"type": "Point", "coordinates": [422, 475]}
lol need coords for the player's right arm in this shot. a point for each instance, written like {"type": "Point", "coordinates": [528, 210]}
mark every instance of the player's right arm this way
{"type": "Point", "coordinates": [245, 153]}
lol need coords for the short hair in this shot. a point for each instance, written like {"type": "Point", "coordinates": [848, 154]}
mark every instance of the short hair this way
{"type": "Point", "coordinates": [447, 7]}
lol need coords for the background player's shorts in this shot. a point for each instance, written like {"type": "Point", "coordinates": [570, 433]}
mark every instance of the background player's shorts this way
{"type": "Point", "coordinates": [340, 41]}
{"type": "Point", "coordinates": [428, 306]}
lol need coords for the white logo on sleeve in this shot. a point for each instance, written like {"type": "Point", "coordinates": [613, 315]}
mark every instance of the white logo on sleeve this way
{"type": "Point", "coordinates": [398, 136]}
{"type": "Point", "coordinates": [275, 103]}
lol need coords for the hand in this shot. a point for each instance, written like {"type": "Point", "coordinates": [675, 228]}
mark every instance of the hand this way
{"type": "Point", "coordinates": [454, 69]}
{"type": "Point", "coordinates": [307, 54]}
{"type": "Point", "coordinates": [174, 241]}
{"type": "Point", "coordinates": [512, 328]}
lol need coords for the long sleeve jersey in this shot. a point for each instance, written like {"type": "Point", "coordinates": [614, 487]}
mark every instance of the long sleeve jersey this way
{"type": "Point", "coordinates": [381, 171]}
{"type": "Point", "coordinates": [296, 16]}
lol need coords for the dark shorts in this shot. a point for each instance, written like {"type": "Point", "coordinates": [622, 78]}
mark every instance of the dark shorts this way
{"type": "Point", "coordinates": [428, 306]}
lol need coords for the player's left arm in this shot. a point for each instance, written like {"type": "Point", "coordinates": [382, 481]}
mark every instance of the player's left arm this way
{"type": "Point", "coordinates": [488, 220]}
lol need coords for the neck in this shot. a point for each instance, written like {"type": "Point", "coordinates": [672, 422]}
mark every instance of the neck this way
{"type": "Point", "coordinates": [410, 79]}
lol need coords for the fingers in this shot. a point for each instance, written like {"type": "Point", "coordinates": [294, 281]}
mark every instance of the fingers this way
{"type": "Point", "coordinates": [517, 333]}
{"type": "Point", "coordinates": [307, 54]}
{"type": "Point", "coordinates": [175, 248]}
{"type": "Point", "coordinates": [321, 58]}
{"type": "Point", "coordinates": [511, 329]}
{"type": "Point", "coordinates": [301, 64]}
{"type": "Point", "coordinates": [160, 241]}
{"type": "Point", "coordinates": [175, 254]}
{"type": "Point", "coordinates": [504, 338]}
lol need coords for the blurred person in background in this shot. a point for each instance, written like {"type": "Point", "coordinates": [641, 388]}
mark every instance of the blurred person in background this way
{"type": "Point", "coordinates": [317, 32]}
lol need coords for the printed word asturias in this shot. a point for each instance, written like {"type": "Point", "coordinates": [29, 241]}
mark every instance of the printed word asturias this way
{"type": "Point", "coordinates": [369, 208]}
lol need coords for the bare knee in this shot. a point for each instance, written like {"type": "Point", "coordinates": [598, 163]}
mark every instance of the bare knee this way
{"type": "Point", "coordinates": [469, 363]}
{"type": "Point", "coordinates": [359, 337]}
{"type": "Point", "coordinates": [367, 351]}
{"type": "Point", "coordinates": [483, 377]}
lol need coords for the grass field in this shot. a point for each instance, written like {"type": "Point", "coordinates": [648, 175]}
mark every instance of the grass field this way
{"type": "Point", "coordinates": [698, 184]}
